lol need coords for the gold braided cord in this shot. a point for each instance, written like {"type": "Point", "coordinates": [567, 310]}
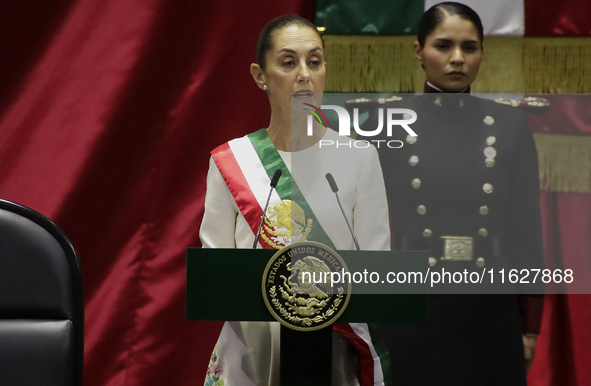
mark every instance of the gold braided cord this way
{"type": "Point", "coordinates": [564, 162]}
{"type": "Point", "coordinates": [510, 65]}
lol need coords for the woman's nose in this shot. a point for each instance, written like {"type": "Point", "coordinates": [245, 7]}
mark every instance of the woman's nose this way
{"type": "Point", "coordinates": [457, 56]}
{"type": "Point", "coordinates": [304, 73]}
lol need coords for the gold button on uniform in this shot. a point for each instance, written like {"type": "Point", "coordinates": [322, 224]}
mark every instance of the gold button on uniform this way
{"type": "Point", "coordinates": [483, 210]}
{"type": "Point", "coordinates": [413, 161]}
{"type": "Point", "coordinates": [427, 233]}
{"type": "Point", "coordinates": [491, 141]}
{"type": "Point", "coordinates": [488, 188]}
{"type": "Point", "coordinates": [416, 183]}
{"type": "Point", "coordinates": [489, 162]}
{"type": "Point", "coordinates": [480, 262]}
{"type": "Point", "coordinates": [482, 232]}
{"type": "Point", "coordinates": [411, 139]}
{"type": "Point", "coordinates": [422, 209]}
{"type": "Point", "coordinates": [490, 152]}
{"type": "Point", "coordinates": [488, 120]}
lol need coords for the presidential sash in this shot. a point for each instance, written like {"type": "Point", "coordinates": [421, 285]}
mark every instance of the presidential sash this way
{"type": "Point", "coordinates": [247, 165]}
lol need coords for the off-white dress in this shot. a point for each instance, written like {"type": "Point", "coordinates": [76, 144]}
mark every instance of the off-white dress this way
{"type": "Point", "coordinates": [247, 353]}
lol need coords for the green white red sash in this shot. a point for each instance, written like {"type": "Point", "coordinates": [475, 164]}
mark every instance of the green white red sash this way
{"type": "Point", "coordinates": [247, 165]}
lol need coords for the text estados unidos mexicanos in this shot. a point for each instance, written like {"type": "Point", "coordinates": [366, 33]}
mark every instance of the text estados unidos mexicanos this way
{"type": "Point", "coordinates": [513, 276]}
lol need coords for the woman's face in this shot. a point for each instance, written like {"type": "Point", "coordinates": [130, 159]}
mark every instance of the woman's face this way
{"type": "Point", "coordinates": [451, 55]}
{"type": "Point", "coordinates": [295, 65]}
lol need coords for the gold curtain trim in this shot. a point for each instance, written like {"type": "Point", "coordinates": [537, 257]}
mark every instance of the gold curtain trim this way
{"type": "Point", "coordinates": [510, 65]}
{"type": "Point", "coordinates": [564, 162]}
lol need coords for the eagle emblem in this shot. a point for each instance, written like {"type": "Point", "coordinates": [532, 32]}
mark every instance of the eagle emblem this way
{"type": "Point", "coordinates": [285, 224]}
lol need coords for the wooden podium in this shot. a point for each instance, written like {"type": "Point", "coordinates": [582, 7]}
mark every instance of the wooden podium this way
{"type": "Point", "coordinates": [235, 275]}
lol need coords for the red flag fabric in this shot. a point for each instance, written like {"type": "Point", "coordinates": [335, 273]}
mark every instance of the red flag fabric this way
{"type": "Point", "coordinates": [557, 18]}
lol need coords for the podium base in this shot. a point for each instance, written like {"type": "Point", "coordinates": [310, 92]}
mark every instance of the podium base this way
{"type": "Point", "coordinates": [306, 357]}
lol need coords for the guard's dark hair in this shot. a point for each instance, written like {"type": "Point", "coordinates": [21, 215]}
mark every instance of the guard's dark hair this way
{"type": "Point", "coordinates": [265, 43]}
{"type": "Point", "coordinates": [439, 12]}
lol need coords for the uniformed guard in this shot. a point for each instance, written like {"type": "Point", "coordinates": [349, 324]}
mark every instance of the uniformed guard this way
{"type": "Point", "coordinates": [466, 189]}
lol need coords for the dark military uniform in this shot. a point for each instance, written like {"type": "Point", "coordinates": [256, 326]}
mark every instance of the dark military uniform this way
{"type": "Point", "coordinates": [470, 174]}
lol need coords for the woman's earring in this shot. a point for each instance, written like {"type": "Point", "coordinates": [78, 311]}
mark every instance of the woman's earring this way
{"type": "Point", "coordinates": [265, 86]}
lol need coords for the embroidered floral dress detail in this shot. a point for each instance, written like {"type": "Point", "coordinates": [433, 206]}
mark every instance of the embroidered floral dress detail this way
{"type": "Point", "coordinates": [214, 371]}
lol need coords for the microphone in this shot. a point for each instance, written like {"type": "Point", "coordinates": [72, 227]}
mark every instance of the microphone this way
{"type": "Point", "coordinates": [335, 189]}
{"type": "Point", "coordinates": [273, 184]}
{"type": "Point", "coordinates": [332, 183]}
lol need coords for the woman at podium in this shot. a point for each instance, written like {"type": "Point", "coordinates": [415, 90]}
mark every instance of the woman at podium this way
{"type": "Point", "coordinates": [466, 189]}
{"type": "Point", "coordinates": [290, 69]}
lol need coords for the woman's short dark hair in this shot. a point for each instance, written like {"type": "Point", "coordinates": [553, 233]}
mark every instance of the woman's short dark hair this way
{"type": "Point", "coordinates": [265, 43]}
{"type": "Point", "coordinates": [438, 13]}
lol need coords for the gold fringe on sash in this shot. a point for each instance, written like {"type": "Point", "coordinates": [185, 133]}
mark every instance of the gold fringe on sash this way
{"type": "Point", "coordinates": [510, 65]}
{"type": "Point", "coordinates": [564, 162]}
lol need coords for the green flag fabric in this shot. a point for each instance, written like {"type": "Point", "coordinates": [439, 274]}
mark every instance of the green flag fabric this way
{"type": "Point", "coordinates": [377, 17]}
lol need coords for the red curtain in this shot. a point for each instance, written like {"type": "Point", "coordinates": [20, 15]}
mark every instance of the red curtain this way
{"type": "Point", "coordinates": [108, 111]}
{"type": "Point", "coordinates": [557, 18]}
{"type": "Point", "coordinates": [562, 352]}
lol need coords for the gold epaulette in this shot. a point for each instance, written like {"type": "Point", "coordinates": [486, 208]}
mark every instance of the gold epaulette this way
{"type": "Point", "coordinates": [365, 104]}
{"type": "Point", "coordinates": [533, 105]}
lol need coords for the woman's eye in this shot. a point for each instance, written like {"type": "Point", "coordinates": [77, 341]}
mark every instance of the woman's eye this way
{"type": "Point", "coordinates": [442, 46]}
{"type": "Point", "coordinates": [288, 63]}
{"type": "Point", "coordinates": [314, 63]}
{"type": "Point", "coordinates": [470, 48]}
